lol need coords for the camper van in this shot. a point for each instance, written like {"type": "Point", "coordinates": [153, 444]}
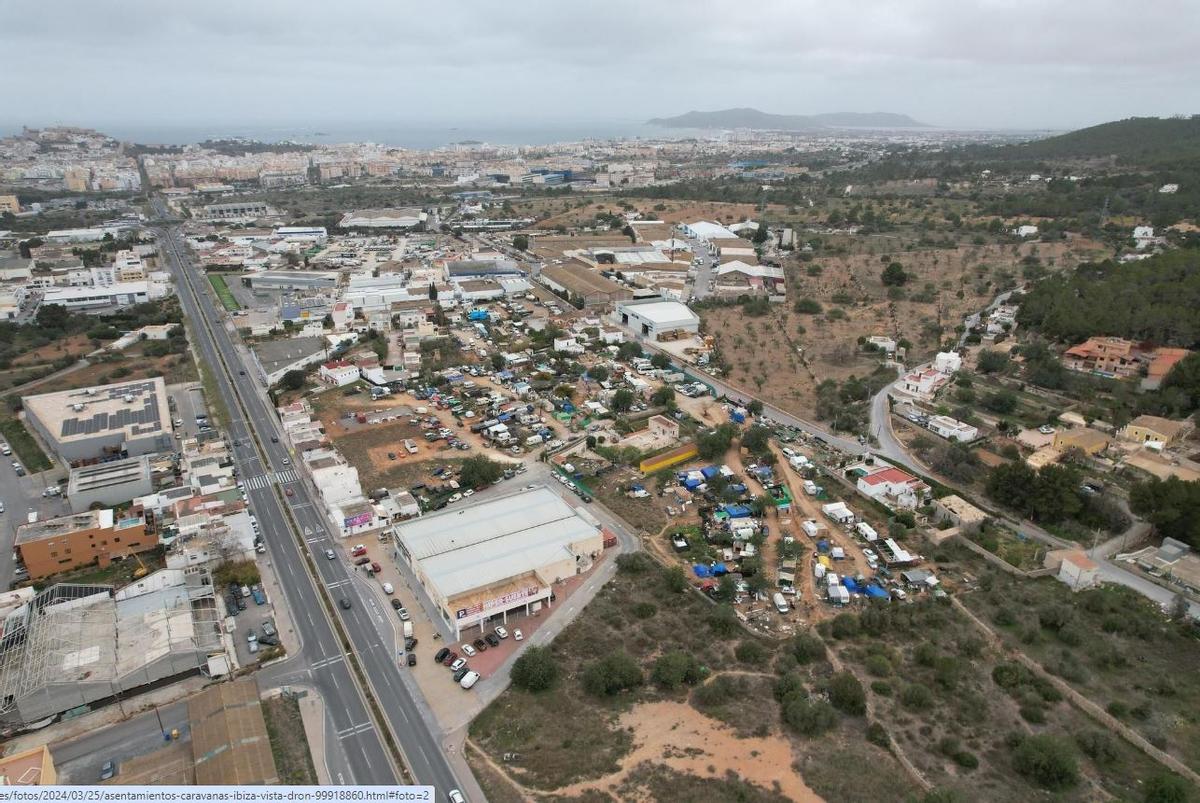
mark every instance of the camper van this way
{"type": "Point", "coordinates": [779, 602]}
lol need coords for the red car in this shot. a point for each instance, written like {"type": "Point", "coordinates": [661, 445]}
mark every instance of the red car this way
{"type": "Point", "coordinates": [450, 658]}
{"type": "Point", "coordinates": [375, 567]}
{"type": "Point", "coordinates": [358, 550]}
{"type": "Point", "coordinates": [288, 492]}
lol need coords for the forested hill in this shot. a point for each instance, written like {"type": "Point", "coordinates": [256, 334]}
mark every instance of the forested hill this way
{"type": "Point", "coordinates": [1138, 140]}
{"type": "Point", "coordinates": [1156, 300]}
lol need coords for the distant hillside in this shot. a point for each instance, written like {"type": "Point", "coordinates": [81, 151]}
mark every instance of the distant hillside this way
{"type": "Point", "coordinates": [753, 118]}
{"type": "Point", "coordinates": [1144, 140]}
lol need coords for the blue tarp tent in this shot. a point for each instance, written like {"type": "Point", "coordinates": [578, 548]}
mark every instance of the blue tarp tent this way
{"type": "Point", "coordinates": [477, 315]}
{"type": "Point", "coordinates": [701, 570]}
{"type": "Point", "coordinates": [691, 484]}
{"type": "Point", "coordinates": [505, 374]}
{"type": "Point", "coordinates": [737, 511]}
{"type": "Point", "coordinates": [876, 592]}
{"type": "Point", "coordinates": [852, 586]}
{"type": "Point", "coordinates": [719, 570]}
{"type": "Point", "coordinates": [738, 488]}
{"type": "Point", "coordinates": [710, 471]}
{"type": "Point", "coordinates": [822, 546]}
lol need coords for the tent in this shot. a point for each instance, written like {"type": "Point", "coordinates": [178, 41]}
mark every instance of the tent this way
{"type": "Point", "coordinates": [710, 471]}
{"type": "Point", "coordinates": [876, 592]}
{"type": "Point", "coordinates": [822, 545]}
{"type": "Point", "coordinates": [850, 585]}
{"type": "Point", "coordinates": [737, 511]}
{"type": "Point", "coordinates": [701, 570]}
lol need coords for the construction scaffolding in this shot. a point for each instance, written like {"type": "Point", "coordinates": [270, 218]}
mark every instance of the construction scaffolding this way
{"type": "Point", "coordinates": [74, 645]}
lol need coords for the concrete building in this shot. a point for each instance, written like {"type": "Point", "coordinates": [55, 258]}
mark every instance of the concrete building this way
{"type": "Point", "coordinates": [952, 429]}
{"type": "Point", "coordinates": [482, 561]}
{"type": "Point", "coordinates": [383, 219]}
{"type": "Point", "coordinates": [292, 280]}
{"type": "Point", "coordinates": [102, 296]}
{"type": "Point", "coordinates": [1089, 441]}
{"type": "Point", "coordinates": [338, 373]}
{"type": "Point", "coordinates": [81, 539]}
{"type": "Point", "coordinates": [947, 362]}
{"type": "Point", "coordinates": [124, 419]}
{"type": "Point", "coordinates": [232, 212]}
{"type": "Point", "coordinates": [578, 279]}
{"type": "Point", "coordinates": [110, 483]}
{"type": "Point", "coordinates": [74, 645]}
{"type": "Point", "coordinates": [893, 487]}
{"type": "Point", "coordinates": [1153, 429]}
{"type": "Point", "coordinates": [230, 745]}
{"type": "Point", "coordinates": [276, 357]}
{"type": "Point", "coordinates": [481, 269]}
{"type": "Point", "coordinates": [651, 319]}
{"type": "Point", "coordinates": [10, 205]}
{"type": "Point", "coordinates": [1076, 569]}
{"type": "Point", "coordinates": [957, 511]}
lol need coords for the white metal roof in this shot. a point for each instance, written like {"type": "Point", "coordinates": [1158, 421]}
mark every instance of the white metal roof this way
{"type": "Point", "coordinates": [478, 545]}
{"type": "Point", "coordinates": [663, 313]}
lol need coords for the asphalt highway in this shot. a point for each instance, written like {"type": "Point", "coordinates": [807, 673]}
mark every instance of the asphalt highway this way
{"type": "Point", "coordinates": [370, 629]}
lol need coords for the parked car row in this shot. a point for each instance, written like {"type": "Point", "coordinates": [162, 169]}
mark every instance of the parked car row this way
{"type": "Point", "coordinates": [463, 675]}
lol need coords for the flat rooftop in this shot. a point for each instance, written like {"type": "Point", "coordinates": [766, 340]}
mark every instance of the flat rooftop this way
{"type": "Point", "coordinates": [135, 409]}
{"type": "Point", "coordinates": [51, 528]}
{"type": "Point", "coordinates": [661, 313]}
{"type": "Point", "coordinates": [104, 475]}
{"type": "Point", "coordinates": [275, 354]}
{"type": "Point", "coordinates": [494, 541]}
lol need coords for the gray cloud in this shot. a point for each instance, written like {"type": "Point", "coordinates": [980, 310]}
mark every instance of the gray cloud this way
{"type": "Point", "coordinates": [987, 63]}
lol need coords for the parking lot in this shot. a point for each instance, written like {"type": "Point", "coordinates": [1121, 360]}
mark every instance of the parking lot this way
{"type": "Point", "coordinates": [255, 618]}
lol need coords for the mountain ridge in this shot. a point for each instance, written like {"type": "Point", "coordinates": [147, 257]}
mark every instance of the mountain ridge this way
{"type": "Point", "coordinates": [746, 117]}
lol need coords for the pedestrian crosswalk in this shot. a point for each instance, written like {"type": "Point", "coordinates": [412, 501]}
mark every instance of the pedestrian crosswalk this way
{"type": "Point", "coordinates": [263, 480]}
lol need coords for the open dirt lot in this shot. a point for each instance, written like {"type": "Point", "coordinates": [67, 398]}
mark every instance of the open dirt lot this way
{"type": "Point", "coordinates": [764, 353]}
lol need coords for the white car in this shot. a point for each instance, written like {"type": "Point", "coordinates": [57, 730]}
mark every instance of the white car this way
{"type": "Point", "coordinates": [456, 497]}
{"type": "Point", "coordinates": [469, 679]}
{"type": "Point", "coordinates": [870, 553]}
{"type": "Point", "coordinates": [518, 635]}
{"type": "Point", "coordinates": [457, 796]}
{"type": "Point", "coordinates": [329, 554]}
{"type": "Point", "coordinates": [388, 589]}
{"type": "Point", "coordinates": [468, 650]}
{"type": "Point", "coordinates": [458, 664]}
{"type": "Point", "coordinates": [501, 632]}
{"type": "Point", "coordinates": [468, 492]}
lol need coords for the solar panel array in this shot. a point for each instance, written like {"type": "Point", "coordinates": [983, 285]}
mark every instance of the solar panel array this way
{"type": "Point", "coordinates": [142, 419]}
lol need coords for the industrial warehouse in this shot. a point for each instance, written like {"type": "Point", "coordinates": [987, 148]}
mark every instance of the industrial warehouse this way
{"type": "Point", "coordinates": [485, 560]}
{"type": "Point", "coordinates": [125, 419]}
{"type": "Point", "coordinates": [74, 645]}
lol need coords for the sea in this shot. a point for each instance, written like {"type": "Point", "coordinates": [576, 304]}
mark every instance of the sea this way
{"type": "Point", "coordinates": [406, 135]}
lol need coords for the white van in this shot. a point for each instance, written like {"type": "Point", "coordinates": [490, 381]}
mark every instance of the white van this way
{"type": "Point", "coordinates": [408, 629]}
{"type": "Point", "coordinates": [779, 602]}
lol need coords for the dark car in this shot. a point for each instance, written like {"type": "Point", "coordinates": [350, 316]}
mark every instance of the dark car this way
{"type": "Point", "coordinates": [441, 654]}
{"type": "Point", "coordinates": [490, 638]}
{"type": "Point", "coordinates": [479, 644]}
{"type": "Point", "coordinates": [243, 373]}
{"type": "Point", "coordinates": [396, 604]}
{"type": "Point", "coordinates": [412, 659]}
{"type": "Point", "coordinates": [362, 560]}
{"type": "Point", "coordinates": [274, 439]}
{"type": "Point", "coordinates": [461, 673]}
{"type": "Point", "coordinates": [345, 603]}
{"type": "Point", "coordinates": [391, 455]}
{"type": "Point", "coordinates": [108, 770]}
{"type": "Point", "coordinates": [450, 658]}
{"type": "Point", "coordinates": [410, 643]}
{"type": "Point", "coordinates": [241, 603]}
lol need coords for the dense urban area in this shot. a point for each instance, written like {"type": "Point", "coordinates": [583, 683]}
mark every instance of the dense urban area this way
{"type": "Point", "coordinates": [851, 462]}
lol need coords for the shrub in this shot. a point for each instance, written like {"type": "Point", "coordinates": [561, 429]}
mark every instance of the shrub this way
{"type": "Point", "coordinates": [1033, 713]}
{"type": "Point", "coordinates": [882, 688]}
{"type": "Point", "coordinates": [635, 562]}
{"type": "Point", "coordinates": [1166, 788]}
{"type": "Point", "coordinates": [1099, 746]}
{"type": "Point", "coordinates": [808, 306]}
{"type": "Point", "coordinates": [536, 670]}
{"type": "Point", "coordinates": [806, 717]}
{"type": "Point", "coordinates": [878, 665]}
{"type": "Point", "coordinates": [674, 669]}
{"type": "Point", "coordinates": [1118, 709]}
{"type": "Point", "coordinates": [723, 621]}
{"type": "Point", "coordinates": [845, 625]}
{"type": "Point", "coordinates": [1048, 761]}
{"type": "Point", "coordinates": [807, 647]}
{"type": "Point", "coordinates": [878, 735]}
{"type": "Point", "coordinates": [847, 695]}
{"type": "Point", "coordinates": [644, 610]}
{"type": "Point", "coordinates": [711, 695]}
{"type": "Point", "coordinates": [751, 652]}
{"type": "Point", "coordinates": [916, 696]}
{"type": "Point", "coordinates": [613, 673]}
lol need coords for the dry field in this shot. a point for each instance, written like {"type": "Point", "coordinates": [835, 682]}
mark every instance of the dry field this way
{"type": "Point", "coordinates": [764, 353]}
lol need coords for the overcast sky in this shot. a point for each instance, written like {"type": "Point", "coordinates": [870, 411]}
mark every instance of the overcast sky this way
{"type": "Point", "coordinates": [955, 63]}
